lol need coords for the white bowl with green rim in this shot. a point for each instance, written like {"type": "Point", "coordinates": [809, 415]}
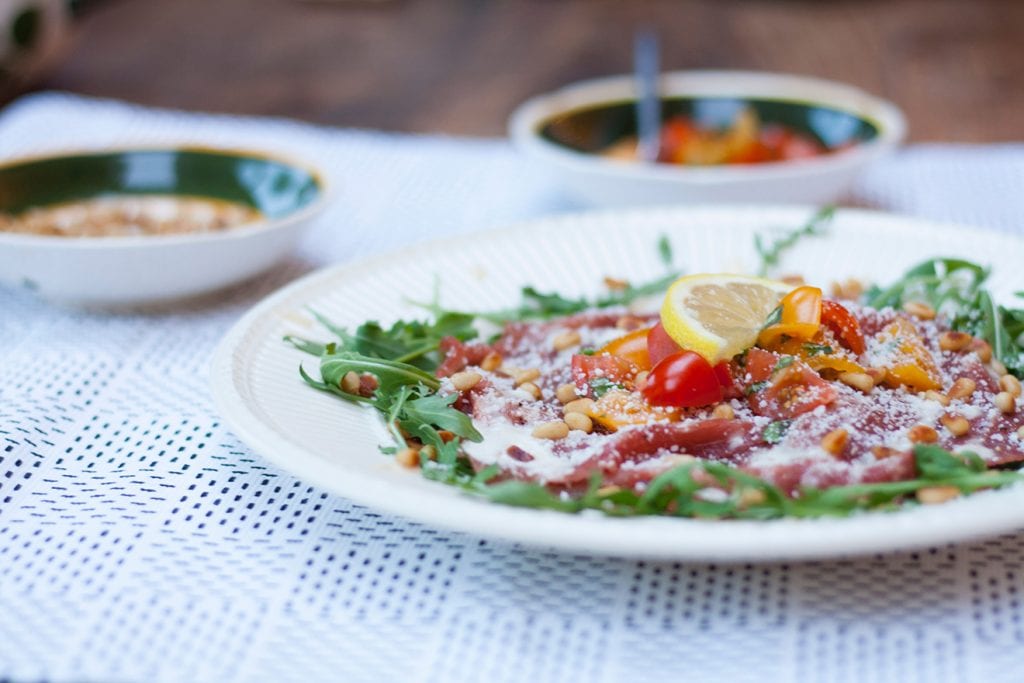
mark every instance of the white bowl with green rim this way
{"type": "Point", "coordinates": [566, 131]}
{"type": "Point", "coordinates": [284, 197]}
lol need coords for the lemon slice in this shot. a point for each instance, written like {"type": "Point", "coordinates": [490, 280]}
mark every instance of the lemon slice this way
{"type": "Point", "coordinates": [719, 316]}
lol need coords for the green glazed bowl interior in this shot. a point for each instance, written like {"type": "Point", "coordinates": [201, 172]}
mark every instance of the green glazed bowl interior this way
{"type": "Point", "coordinates": [592, 129]}
{"type": "Point", "coordinates": [274, 188]}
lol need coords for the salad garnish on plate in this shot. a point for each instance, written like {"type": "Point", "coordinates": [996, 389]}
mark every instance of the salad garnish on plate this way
{"type": "Point", "coordinates": [743, 397]}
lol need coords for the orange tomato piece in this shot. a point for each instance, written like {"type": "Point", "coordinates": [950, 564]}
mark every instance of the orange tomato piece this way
{"type": "Point", "coordinates": [632, 347]}
{"type": "Point", "coordinates": [619, 408]}
{"type": "Point", "coordinates": [800, 317]}
{"type": "Point", "coordinates": [812, 354]}
{"type": "Point", "coordinates": [912, 365]}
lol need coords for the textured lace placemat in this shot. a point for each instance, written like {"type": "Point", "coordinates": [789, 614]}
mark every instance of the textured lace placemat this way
{"type": "Point", "coordinates": [140, 541]}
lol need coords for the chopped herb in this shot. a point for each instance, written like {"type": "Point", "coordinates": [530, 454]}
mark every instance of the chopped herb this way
{"type": "Point", "coordinates": [771, 253]}
{"type": "Point", "coordinates": [588, 351]}
{"type": "Point", "coordinates": [602, 385]}
{"type": "Point", "coordinates": [776, 431]}
{"type": "Point", "coordinates": [774, 318]}
{"type": "Point", "coordinates": [818, 349]}
{"type": "Point", "coordinates": [783, 363]}
{"type": "Point", "coordinates": [756, 387]}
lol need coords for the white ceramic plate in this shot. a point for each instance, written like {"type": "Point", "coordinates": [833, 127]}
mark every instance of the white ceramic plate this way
{"type": "Point", "coordinates": [335, 445]}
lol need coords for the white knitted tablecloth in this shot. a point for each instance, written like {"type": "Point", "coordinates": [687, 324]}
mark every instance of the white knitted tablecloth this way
{"type": "Point", "coordinates": [140, 541]}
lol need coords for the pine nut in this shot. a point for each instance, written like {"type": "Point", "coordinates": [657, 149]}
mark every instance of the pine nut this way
{"type": "Point", "coordinates": [920, 310]}
{"type": "Point", "coordinates": [1010, 385]}
{"type": "Point", "coordinates": [1020, 432]}
{"type": "Point", "coordinates": [628, 322]}
{"type": "Point", "coordinates": [882, 452]}
{"type": "Point", "coordinates": [615, 284]}
{"type": "Point", "coordinates": [532, 389]}
{"type": "Point", "coordinates": [350, 382]}
{"type": "Point", "coordinates": [580, 405]}
{"type": "Point", "coordinates": [723, 411]}
{"type": "Point", "coordinates": [835, 441]}
{"type": "Point", "coordinates": [922, 434]}
{"type": "Point", "coordinates": [932, 495]}
{"type": "Point", "coordinates": [860, 381]}
{"type": "Point", "coordinates": [580, 422]}
{"type": "Point", "coordinates": [566, 340]}
{"type": "Point", "coordinates": [749, 497]}
{"type": "Point", "coordinates": [936, 396]}
{"type": "Point", "coordinates": [954, 341]}
{"type": "Point", "coordinates": [850, 289]}
{"type": "Point", "coordinates": [877, 375]}
{"type": "Point", "coordinates": [793, 279]}
{"type": "Point", "coordinates": [566, 393]}
{"type": "Point", "coordinates": [997, 367]}
{"type": "Point", "coordinates": [957, 425]}
{"type": "Point", "coordinates": [429, 452]}
{"type": "Point", "coordinates": [524, 376]}
{"type": "Point", "coordinates": [408, 457]}
{"type": "Point", "coordinates": [983, 349]}
{"type": "Point", "coordinates": [551, 430]}
{"type": "Point", "coordinates": [491, 362]}
{"type": "Point", "coordinates": [641, 379]}
{"type": "Point", "coordinates": [1005, 402]}
{"type": "Point", "coordinates": [464, 381]}
{"type": "Point", "coordinates": [962, 389]}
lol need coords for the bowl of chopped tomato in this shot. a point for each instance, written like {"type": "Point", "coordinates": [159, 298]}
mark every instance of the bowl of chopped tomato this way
{"type": "Point", "coordinates": [725, 136]}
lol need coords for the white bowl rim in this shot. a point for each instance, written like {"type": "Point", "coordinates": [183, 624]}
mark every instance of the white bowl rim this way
{"type": "Point", "coordinates": [327, 192]}
{"type": "Point", "coordinates": [524, 123]}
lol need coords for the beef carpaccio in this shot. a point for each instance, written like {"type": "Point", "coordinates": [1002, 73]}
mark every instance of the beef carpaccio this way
{"type": "Point", "coordinates": [554, 407]}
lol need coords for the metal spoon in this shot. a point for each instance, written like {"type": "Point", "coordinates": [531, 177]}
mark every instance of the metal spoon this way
{"type": "Point", "coordinates": [648, 103]}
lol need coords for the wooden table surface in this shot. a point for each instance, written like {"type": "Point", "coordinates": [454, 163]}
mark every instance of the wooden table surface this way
{"type": "Point", "coordinates": [956, 67]}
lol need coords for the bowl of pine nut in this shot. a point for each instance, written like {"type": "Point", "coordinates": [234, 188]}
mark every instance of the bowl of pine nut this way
{"type": "Point", "coordinates": [137, 226]}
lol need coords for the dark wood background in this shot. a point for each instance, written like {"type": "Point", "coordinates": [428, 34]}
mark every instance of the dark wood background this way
{"type": "Point", "coordinates": [460, 66]}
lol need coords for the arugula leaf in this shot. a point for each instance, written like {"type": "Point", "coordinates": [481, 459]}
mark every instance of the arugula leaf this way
{"type": "Point", "coordinates": [538, 305]}
{"type": "Point", "coordinates": [955, 287]}
{"type": "Point", "coordinates": [413, 342]}
{"type": "Point", "coordinates": [772, 253]}
{"type": "Point", "coordinates": [391, 375]}
{"type": "Point", "coordinates": [665, 250]}
{"type": "Point", "coordinates": [310, 347]}
{"type": "Point", "coordinates": [437, 410]}
{"type": "Point", "coordinates": [724, 492]}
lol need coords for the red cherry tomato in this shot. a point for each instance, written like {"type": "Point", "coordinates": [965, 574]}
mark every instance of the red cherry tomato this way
{"type": "Point", "coordinates": [684, 380]}
{"type": "Point", "coordinates": [723, 374]}
{"type": "Point", "coordinates": [660, 345]}
{"type": "Point", "coordinates": [843, 325]}
{"type": "Point", "coordinates": [601, 365]}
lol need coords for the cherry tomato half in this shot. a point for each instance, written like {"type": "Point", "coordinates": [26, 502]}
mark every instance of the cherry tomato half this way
{"type": "Point", "coordinates": [660, 345]}
{"type": "Point", "coordinates": [842, 323]}
{"type": "Point", "coordinates": [684, 380]}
